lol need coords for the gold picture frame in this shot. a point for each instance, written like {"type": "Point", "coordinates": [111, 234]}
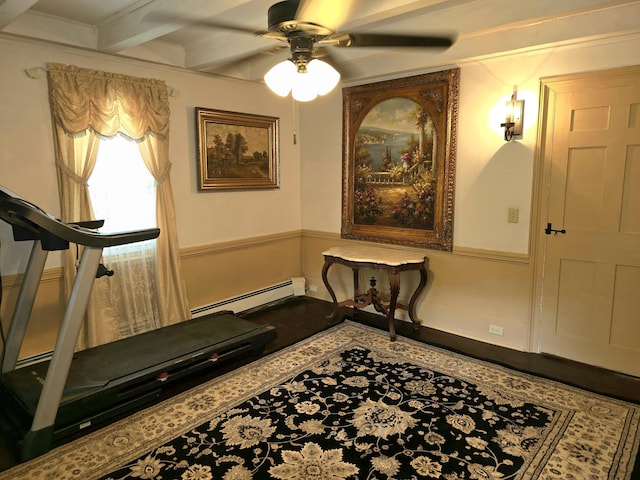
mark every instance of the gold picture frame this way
{"type": "Point", "coordinates": [236, 150]}
{"type": "Point", "coordinates": [399, 155]}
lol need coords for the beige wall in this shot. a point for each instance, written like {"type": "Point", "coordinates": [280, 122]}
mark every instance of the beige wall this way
{"type": "Point", "coordinates": [236, 241]}
{"type": "Point", "coordinates": [46, 315]}
{"type": "Point", "coordinates": [203, 218]}
{"type": "Point", "coordinates": [486, 280]}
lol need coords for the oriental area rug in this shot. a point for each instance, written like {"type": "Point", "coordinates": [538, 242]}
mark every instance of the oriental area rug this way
{"type": "Point", "coordinates": [349, 404]}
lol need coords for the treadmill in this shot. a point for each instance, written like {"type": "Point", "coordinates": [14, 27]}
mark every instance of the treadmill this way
{"type": "Point", "coordinates": [53, 399]}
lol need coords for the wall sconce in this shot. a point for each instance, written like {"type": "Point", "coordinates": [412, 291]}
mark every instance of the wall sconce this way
{"type": "Point", "coordinates": [513, 118]}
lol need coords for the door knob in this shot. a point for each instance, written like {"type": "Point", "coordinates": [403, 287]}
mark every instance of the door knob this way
{"type": "Point", "coordinates": [549, 230]}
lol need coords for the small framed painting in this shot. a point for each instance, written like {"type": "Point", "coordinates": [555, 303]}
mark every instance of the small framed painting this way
{"type": "Point", "coordinates": [236, 150]}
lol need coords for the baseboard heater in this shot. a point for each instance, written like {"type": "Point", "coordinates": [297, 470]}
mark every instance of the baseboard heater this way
{"type": "Point", "coordinates": [257, 298]}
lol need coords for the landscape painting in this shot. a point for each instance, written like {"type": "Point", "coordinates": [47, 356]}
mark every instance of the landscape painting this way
{"type": "Point", "coordinates": [399, 158]}
{"type": "Point", "coordinates": [236, 150]}
{"type": "Point", "coordinates": [395, 182]}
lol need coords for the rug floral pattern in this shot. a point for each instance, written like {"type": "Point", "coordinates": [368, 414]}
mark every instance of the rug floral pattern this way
{"type": "Point", "coordinates": [359, 415]}
{"type": "Point", "coordinates": [349, 404]}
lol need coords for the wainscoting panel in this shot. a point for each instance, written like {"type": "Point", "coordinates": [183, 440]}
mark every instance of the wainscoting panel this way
{"type": "Point", "coordinates": [220, 271]}
{"type": "Point", "coordinates": [46, 316]}
{"type": "Point", "coordinates": [468, 291]}
{"type": "Point", "coordinates": [213, 274]}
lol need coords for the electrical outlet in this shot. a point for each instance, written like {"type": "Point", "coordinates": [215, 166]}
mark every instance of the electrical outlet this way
{"type": "Point", "coordinates": [512, 215]}
{"type": "Point", "coordinates": [496, 330]}
{"type": "Point", "coordinates": [313, 288]}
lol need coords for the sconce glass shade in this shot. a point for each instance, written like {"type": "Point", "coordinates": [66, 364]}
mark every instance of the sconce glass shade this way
{"type": "Point", "coordinates": [319, 79]}
{"type": "Point", "coordinates": [514, 113]}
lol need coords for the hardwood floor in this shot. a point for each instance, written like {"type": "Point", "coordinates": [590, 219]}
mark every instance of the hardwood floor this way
{"type": "Point", "coordinates": [594, 379]}
{"type": "Point", "coordinates": [300, 317]}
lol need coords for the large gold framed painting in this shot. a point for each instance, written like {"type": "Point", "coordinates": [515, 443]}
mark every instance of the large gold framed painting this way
{"type": "Point", "coordinates": [399, 147]}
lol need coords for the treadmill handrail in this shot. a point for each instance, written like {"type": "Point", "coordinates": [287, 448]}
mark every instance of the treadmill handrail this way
{"type": "Point", "coordinates": [19, 212]}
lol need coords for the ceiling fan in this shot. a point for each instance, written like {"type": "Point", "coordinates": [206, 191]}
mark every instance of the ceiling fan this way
{"type": "Point", "coordinates": [310, 25]}
{"type": "Point", "coordinates": [288, 21]}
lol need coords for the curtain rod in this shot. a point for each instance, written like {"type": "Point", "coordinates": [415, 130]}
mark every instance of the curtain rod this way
{"type": "Point", "coordinates": [37, 72]}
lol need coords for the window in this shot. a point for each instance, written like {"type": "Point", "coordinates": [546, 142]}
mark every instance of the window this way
{"type": "Point", "coordinates": [123, 194]}
{"type": "Point", "coordinates": [123, 191]}
{"type": "Point", "coordinates": [94, 104]}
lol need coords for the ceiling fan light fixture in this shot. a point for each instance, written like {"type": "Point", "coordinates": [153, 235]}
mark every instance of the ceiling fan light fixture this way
{"type": "Point", "coordinates": [305, 84]}
{"type": "Point", "coordinates": [324, 75]}
{"type": "Point", "coordinates": [304, 88]}
{"type": "Point", "coordinates": [280, 77]}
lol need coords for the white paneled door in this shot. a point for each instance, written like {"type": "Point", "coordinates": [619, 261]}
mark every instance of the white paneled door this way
{"type": "Point", "coordinates": [590, 251]}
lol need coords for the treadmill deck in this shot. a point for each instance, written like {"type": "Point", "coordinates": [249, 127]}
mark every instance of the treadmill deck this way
{"type": "Point", "coordinates": [102, 377]}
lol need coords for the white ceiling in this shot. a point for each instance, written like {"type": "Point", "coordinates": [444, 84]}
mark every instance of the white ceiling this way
{"type": "Point", "coordinates": [173, 32]}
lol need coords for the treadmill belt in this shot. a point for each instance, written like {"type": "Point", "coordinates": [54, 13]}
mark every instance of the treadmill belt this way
{"type": "Point", "coordinates": [101, 374]}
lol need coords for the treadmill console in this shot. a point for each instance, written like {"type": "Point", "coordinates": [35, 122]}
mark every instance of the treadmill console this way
{"type": "Point", "coordinates": [30, 222]}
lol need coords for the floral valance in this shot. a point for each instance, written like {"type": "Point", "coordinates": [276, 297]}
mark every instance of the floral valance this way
{"type": "Point", "coordinates": [107, 103]}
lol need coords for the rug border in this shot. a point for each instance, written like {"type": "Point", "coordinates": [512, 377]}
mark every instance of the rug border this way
{"type": "Point", "coordinates": [100, 436]}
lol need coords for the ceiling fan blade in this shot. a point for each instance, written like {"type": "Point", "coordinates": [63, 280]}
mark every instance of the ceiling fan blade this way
{"type": "Point", "coordinates": [345, 68]}
{"type": "Point", "coordinates": [186, 21]}
{"type": "Point", "coordinates": [246, 60]}
{"type": "Point", "coordinates": [328, 13]}
{"type": "Point", "coordinates": [391, 40]}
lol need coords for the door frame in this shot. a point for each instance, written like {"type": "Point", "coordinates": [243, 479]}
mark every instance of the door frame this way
{"type": "Point", "coordinates": [549, 86]}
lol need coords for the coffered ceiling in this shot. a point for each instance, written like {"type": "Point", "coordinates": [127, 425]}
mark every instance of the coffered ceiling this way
{"type": "Point", "coordinates": [215, 36]}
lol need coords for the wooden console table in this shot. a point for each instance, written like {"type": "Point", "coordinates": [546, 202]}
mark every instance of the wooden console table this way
{"type": "Point", "coordinates": [376, 258]}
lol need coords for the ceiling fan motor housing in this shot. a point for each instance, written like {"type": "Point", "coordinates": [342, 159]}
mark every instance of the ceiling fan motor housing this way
{"type": "Point", "coordinates": [282, 19]}
{"type": "Point", "coordinates": [285, 24]}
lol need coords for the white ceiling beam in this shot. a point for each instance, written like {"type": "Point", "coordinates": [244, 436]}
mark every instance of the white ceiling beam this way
{"type": "Point", "coordinates": [12, 9]}
{"type": "Point", "coordinates": [497, 15]}
{"type": "Point", "coordinates": [369, 14]}
{"type": "Point", "coordinates": [53, 29]}
{"type": "Point", "coordinates": [137, 25]}
{"type": "Point", "coordinates": [603, 25]}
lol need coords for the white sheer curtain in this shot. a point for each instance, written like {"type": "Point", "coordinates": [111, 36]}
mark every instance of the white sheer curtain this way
{"type": "Point", "coordinates": [86, 105]}
{"type": "Point", "coordinates": [127, 202]}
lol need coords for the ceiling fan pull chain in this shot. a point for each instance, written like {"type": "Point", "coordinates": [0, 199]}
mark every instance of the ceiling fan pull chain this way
{"type": "Point", "coordinates": [293, 112]}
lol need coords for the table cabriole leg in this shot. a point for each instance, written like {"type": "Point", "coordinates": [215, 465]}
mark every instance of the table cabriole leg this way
{"type": "Point", "coordinates": [394, 283]}
{"type": "Point", "coordinates": [356, 286]}
{"type": "Point", "coordinates": [416, 294]}
{"type": "Point", "coordinates": [325, 269]}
